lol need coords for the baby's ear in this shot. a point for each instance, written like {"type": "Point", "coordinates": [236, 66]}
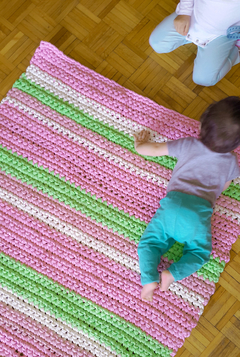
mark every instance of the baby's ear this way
{"type": "Point", "coordinates": [200, 125]}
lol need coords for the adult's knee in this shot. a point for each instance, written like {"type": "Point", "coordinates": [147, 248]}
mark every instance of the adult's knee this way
{"type": "Point", "coordinates": [204, 76]}
{"type": "Point", "coordinates": [162, 38]}
{"type": "Point", "coordinates": [161, 45]}
{"type": "Point", "coordinates": [158, 44]}
{"type": "Point", "coordinates": [153, 43]}
{"type": "Point", "coordinates": [204, 79]}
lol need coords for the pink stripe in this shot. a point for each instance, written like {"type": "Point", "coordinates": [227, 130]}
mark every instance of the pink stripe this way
{"type": "Point", "coordinates": [34, 333]}
{"type": "Point", "coordinates": [223, 200]}
{"type": "Point", "coordinates": [226, 224]}
{"type": "Point", "coordinates": [71, 264]}
{"type": "Point", "coordinates": [73, 278]}
{"type": "Point", "coordinates": [51, 152]}
{"type": "Point", "coordinates": [17, 342]}
{"type": "Point", "coordinates": [112, 95]}
{"type": "Point", "coordinates": [200, 286]}
{"type": "Point", "coordinates": [222, 241]}
{"type": "Point", "coordinates": [189, 282]}
{"type": "Point", "coordinates": [59, 243]}
{"type": "Point", "coordinates": [126, 102]}
{"type": "Point", "coordinates": [83, 270]}
{"type": "Point", "coordinates": [95, 138]}
{"type": "Point", "coordinates": [219, 231]}
{"type": "Point", "coordinates": [107, 302]}
{"type": "Point", "coordinates": [219, 223]}
{"type": "Point", "coordinates": [225, 231]}
{"type": "Point", "coordinates": [132, 207]}
{"type": "Point", "coordinates": [114, 268]}
{"type": "Point", "coordinates": [6, 351]}
{"type": "Point", "coordinates": [69, 215]}
{"type": "Point", "coordinates": [229, 203]}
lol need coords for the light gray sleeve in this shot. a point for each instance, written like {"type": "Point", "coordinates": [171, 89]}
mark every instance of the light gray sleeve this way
{"type": "Point", "coordinates": [234, 172]}
{"type": "Point", "coordinates": [176, 148]}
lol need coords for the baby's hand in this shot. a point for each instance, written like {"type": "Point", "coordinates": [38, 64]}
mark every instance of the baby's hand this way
{"type": "Point", "coordinates": [148, 148]}
{"type": "Point", "coordinates": [182, 24]}
{"type": "Point", "coordinates": [141, 137]}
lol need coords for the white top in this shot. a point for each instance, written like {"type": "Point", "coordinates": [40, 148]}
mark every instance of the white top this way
{"type": "Point", "coordinates": [209, 18]}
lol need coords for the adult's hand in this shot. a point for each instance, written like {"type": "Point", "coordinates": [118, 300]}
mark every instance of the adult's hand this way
{"type": "Point", "coordinates": [182, 23]}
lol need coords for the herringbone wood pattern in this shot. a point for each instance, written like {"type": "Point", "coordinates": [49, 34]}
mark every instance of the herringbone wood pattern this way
{"type": "Point", "coordinates": [111, 37]}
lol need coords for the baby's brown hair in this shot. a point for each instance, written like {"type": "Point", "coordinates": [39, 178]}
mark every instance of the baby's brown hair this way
{"type": "Point", "coordinates": [220, 125]}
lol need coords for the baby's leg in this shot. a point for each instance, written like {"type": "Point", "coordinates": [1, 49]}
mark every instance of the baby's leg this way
{"type": "Point", "coordinates": [166, 280]}
{"type": "Point", "coordinates": [148, 290]}
{"type": "Point", "coordinates": [195, 255]}
{"type": "Point", "coordinates": [153, 244]}
{"type": "Point", "coordinates": [193, 229]}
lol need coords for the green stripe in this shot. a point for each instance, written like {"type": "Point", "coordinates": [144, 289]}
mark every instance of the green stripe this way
{"type": "Point", "coordinates": [108, 328]}
{"type": "Point", "coordinates": [212, 269]}
{"type": "Point", "coordinates": [72, 196]}
{"type": "Point", "coordinates": [132, 231]}
{"type": "Point", "coordinates": [105, 130]}
{"type": "Point", "coordinates": [99, 211]}
{"type": "Point", "coordinates": [233, 191]}
{"type": "Point", "coordinates": [69, 110]}
{"type": "Point", "coordinates": [53, 185]}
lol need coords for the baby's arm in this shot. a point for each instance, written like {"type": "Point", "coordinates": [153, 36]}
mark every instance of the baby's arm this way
{"type": "Point", "coordinates": [226, 185]}
{"type": "Point", "coordinates": [144, 147]}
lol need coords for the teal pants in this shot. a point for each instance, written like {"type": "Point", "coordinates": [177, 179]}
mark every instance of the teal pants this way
{"type": "Point", "coordinates": [183, 218]}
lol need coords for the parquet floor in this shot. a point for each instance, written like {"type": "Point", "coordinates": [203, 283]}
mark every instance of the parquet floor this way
{"type": "Point", "coordinates": [111, 37]}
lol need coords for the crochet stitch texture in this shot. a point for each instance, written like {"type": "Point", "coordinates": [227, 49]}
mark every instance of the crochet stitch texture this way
{"type": "Point", "coordinates": [75, 199]}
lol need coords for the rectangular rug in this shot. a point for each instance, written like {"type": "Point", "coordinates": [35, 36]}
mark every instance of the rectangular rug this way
{"type": "Point", "coordinates": [75, 200]}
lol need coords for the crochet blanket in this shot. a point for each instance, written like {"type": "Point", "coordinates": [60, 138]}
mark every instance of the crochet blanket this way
{"type": "Point", "coordinates": [75, 199]}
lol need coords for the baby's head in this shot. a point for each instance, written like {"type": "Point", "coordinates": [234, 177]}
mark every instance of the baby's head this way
{"type": "Point", "coordinates": [220, 125]}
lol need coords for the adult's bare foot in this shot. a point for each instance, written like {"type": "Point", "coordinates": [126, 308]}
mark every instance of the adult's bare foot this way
{"type": "Point", "coordinates": [166, 280]}
{"type": "Point", "coordinates": [147, 291]}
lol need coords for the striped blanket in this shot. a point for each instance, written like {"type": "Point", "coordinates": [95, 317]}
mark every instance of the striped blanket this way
{"type": "Point", "coordinates": [75, 200]}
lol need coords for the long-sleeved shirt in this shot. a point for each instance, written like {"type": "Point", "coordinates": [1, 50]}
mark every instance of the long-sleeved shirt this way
{"type": "Point", "coordinates": [209, 18]}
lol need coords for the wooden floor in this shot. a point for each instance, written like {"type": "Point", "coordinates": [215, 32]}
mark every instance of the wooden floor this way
{"type": "Point", "coordinates": [111, 37]}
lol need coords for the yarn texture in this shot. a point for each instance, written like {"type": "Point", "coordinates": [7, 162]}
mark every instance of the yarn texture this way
{"type": "Point", "coordinates": [75, 198]}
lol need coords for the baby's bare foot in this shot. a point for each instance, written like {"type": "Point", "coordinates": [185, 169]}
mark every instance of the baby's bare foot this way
{"type": "Point", "coordinates": [147, 291]}
{"type": "Point", "coordinates": [166, 280]}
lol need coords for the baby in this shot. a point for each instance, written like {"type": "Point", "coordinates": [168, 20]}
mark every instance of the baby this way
{"type": "Point", "coordinates": [205, 167]}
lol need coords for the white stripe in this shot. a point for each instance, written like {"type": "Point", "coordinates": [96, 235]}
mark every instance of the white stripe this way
{"type": "Point", "coordinates": [176, 288]}
{"type": "Point", "coordinates": [226, 212]}
{"type": "Point", "coordinates": [236, 181]}
{"type": "Point", "coordinates": [107, 155]}
{"type": "Point", "coordinates": [187, 295]}
{"type": "Point", "coordinates": [70, 230]}
{"type": "Point", "coordinates": [87, 105]}
{"type": "Point", "coordinates": [75, 233]}
{"type": "Point", "coordinates": [88, 144]}
{"type": "Point", "coordinates": [55, 324]}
